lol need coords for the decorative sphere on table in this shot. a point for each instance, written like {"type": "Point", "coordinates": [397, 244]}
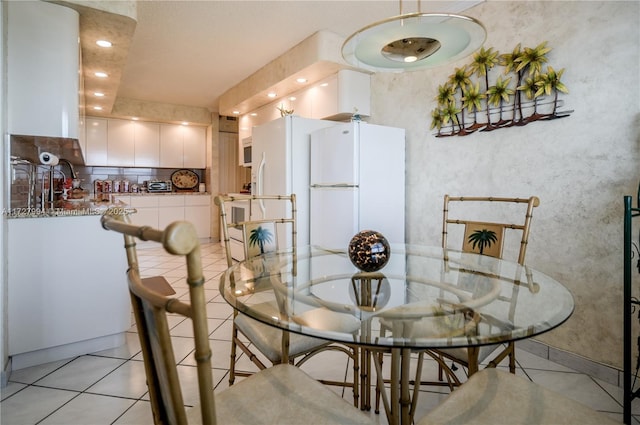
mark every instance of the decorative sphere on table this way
{"type": "Point", "coordinates": [369, 250]}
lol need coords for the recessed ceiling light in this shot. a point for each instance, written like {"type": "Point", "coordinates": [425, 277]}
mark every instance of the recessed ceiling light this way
{"type": "Point", "coordinates": [98, 94]}
{"type": "Point", "coordinates": [103, 43]}
{"type": "Point", "coordinates": [292, 98]}
{"type": "Point", "coordinates": [301, 80]}
{"type": "Point", "coordinates": [272, 94]}
{"type": "Point", "coordinates": [236, 112]}
{"type": "Point", "coordinates": [97, 108]}
{"type": "Point", "coordinates": [135, 118]}
{"type": "Point", "coordinates": [324, 84]}
{"type": "Point", "coordinates": [101, 74]}
{"type": "Point", "coordinates": [185, 123]}
{"type": "Point", "coordinates": [254, 114]}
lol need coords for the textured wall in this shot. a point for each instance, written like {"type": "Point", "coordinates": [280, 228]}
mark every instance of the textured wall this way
{"type": "Point", "coordinates": [580, 166]}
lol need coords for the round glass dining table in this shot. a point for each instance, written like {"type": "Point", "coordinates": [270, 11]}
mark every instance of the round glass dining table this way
{"type": "Point", "coordinates": [423, 298]}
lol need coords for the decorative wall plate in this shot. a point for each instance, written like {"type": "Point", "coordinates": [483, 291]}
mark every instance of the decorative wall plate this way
{"type": "Point", "coordinates": [184, 179]}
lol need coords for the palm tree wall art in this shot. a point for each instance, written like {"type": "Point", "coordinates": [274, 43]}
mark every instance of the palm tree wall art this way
{"type": "Point", "coordinates": [520, 75]}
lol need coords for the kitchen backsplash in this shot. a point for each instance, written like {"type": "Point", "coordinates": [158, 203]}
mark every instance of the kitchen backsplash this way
{"type": "Point", "coordinates": [87, 175]}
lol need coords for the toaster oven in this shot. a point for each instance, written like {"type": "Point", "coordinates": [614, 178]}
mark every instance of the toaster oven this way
{"type": "Point", "coordinates": [159, 186]}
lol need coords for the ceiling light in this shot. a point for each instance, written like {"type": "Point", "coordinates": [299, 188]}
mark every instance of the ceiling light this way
{"type": "Point", "coordinates": [236, 112]}
{"type": "Point", "coordinates": [98, 94]}
{"type": "Point", "coordinates": [254, 114]}
{"type": "Point", "coordinates": [103, 43]}
{"type": "Point", "coordinates": [271, 94]}
{"type": "Point", "coordinates": [185, 123]}
{"type": "Point", "coordinates": [135, 118]}
{"type": "Point", "coordinates": [292, 98]}
{"type": "Point", "coordinates": [414, 41]}
{"type": "Point", "coordinates": [97, 108]}
{"type": "Point", "coordinates": [301, 80]}
{"type": "Point", "coordinates": [101, 74]}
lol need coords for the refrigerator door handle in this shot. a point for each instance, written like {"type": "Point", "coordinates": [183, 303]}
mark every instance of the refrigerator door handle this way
{"type": "Point", "coordinates": [336, 185]}
{"type": "Point", "coordinates": [260, 182]}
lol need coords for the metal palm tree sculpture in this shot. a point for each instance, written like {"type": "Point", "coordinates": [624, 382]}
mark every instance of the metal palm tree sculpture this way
{"type": "Point", "coordinates": [483, 239]}
{"type": "Point", "coordinates": [259, 236]}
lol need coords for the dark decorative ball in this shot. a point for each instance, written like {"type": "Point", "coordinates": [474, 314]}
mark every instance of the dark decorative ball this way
{"type": "Point", "coordinates": [369, 251]}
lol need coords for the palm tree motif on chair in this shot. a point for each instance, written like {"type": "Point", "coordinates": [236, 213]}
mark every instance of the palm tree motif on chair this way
{"type": "Point", "coordinates": [482, 238]}
{"type": "Point", "coordinates": [260, 236]}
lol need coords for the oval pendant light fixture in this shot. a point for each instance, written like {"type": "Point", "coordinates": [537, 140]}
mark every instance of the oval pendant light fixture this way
{"type": "Point", "coordinates": [413, 41]}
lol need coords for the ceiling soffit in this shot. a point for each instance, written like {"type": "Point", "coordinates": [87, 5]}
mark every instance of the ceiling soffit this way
{"type": "Point", "coordinates": [315, 58]}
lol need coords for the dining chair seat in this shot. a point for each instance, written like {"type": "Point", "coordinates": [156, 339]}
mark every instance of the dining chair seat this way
{"type": "Point", "coordinates": [282, 395]}
{"type": "Point", "coordinates": [494, 397]}
{"type": "Point", "coordinates": [268, 338]}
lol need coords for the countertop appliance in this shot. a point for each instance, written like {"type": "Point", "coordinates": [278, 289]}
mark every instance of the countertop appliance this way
{"type": "Point", "coordinates": [357, 183]}
{"type": "Point", "coordinates": [155, 186]}
{"type": "Point", "coordinates": [280, 166]}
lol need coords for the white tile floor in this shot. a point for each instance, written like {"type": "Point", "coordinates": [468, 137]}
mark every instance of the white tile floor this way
{"type": "Point", "coordinates": [109, 387]}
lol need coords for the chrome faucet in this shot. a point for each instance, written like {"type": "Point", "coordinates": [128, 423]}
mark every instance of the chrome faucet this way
{"type": "Point", "coordinates": [73, 171]}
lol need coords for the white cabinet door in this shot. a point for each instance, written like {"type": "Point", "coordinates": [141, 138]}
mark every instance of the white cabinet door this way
{"type": "Point", "coordinates": [197, 210]}
{"type": "Point", "coordinates": [195, 148]}
{"type": "Point", "coordinates": [147, 144]}
{"type": "Point", "coordinates": [171, 208]}
{"type": "Point", "coordinates": [171, 146]}
{"type": "Point", "coordinates": [200, 217]}
{"type": "Point", "coordinates": [146, 216]}
{"type": "Point", "coordinates": [42, 69]}
{"type": "Point", "coordinates": [96, 148]}
{"type": "Point", "coordinates": [324, 99]}
{"type": "Point", "coordinates": [146, 210]}
{"type": "Point", "coordinates": [120, 143]}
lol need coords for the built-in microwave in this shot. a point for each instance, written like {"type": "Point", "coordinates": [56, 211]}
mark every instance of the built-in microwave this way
{"type": "Point", "coordinates": [246, 152]}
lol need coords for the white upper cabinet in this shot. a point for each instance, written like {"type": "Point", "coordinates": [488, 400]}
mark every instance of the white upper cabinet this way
{"type": "Point", "coordinates": [96, 142]}
{"type": "Point", "coordinates": [42, 69]}
{"type": "Point", "coordinates": [146, 144]}
{"type": "Point", "coordinates": [341, 95]}
{"type": "Point", "coordinates": [195, 147]}
{"type": "Point", "coordinates": [171, 146]}
{"type": "Point", "coordinates": [120, 143]}
{"type": "Point", "coordinates": [182, 146]}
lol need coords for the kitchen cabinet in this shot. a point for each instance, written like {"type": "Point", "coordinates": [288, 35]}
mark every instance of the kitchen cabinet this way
{"type": "Point", "coordinates": [340, 95]}
{"type": "Point", "coordinates": [182, 146]}
{"type": "Point", "coordinates": [171, 146]}
{"type": "Point", "coordinates": [67, 289]}
{"type": "Point", "coordinates": [197, 210]}
{"type": "Point", "coordinates": [42, 69]}
{"type": "Point", "coordinates": [158, 211]}
{"type": "Point", "coordinates": [95, 152]}
{"type": "Point", "coordinates": [120, 143]}
{"type": "Point", "coordinates": [195, 147]}
{"type": "Point", "coordinates": [146, 140]}
{"type": "Point", "coordinates": [170, 209]}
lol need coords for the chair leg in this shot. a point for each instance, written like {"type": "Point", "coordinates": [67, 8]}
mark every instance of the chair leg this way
{"type": "Point", "coordinates": [356, 372]}
{"type": "Point", "coordinates": [378, 389]}
{"type": "Point", "coordinates": [232, 365]}
{"type": "Point", "coordinates": [512, 358]}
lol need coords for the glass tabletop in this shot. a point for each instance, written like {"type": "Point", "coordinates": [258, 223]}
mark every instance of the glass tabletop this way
{"type": "Point", "coordinates": [424, 297]}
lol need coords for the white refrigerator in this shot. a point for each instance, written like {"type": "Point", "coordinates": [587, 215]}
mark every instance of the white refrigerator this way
{"type": "Point", "coordinates": [357, 183]}
{"type": "Point", "coordinates": [280, 166]}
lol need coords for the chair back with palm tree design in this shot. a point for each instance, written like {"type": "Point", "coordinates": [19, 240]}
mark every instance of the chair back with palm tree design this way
{"type": "Point", "coordinates": [487, 237]}
{"type": "Point", "coordinates": [260, 236]}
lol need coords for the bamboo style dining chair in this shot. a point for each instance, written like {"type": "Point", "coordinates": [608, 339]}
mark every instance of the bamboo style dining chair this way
{"type": "Point", "coordinates": [477, 225]}
{"type": "Point", "coordinates": [276, 345]}
{"type": "Point", "coordinates": [487, 237]}
{"type": "Point", "coordinates": [283, 394]}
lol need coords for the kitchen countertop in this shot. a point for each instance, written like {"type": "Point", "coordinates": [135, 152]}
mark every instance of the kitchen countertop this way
{"type": "Point", "coordinates": [85, 207]}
